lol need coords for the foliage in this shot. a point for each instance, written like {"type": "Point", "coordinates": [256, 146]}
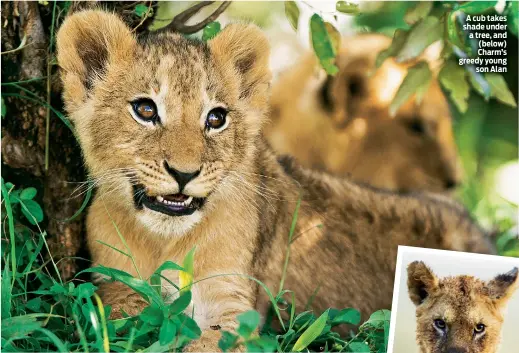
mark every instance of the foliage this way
{"type": "Point", "coordinates": [426, 22]}
{"type": "Point", "coordinates": [305, 331]}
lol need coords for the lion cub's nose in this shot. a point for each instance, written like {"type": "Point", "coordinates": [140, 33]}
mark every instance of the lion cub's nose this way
{"type": "Point", "coordinates": [182, 178]}
{"type": "Point", "coordinates": [451, 184]}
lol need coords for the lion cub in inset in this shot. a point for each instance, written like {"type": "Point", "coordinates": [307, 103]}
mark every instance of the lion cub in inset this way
{"type": "Point", "coordinates": [459, 314]}
{"type": "Point", "coordinates": [171, 128]}
{"type": "Point", "coordinates": [341, 124]}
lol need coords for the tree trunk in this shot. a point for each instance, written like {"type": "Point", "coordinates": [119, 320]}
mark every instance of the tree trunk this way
{"type": "Point", "coordinates": [30, 128]}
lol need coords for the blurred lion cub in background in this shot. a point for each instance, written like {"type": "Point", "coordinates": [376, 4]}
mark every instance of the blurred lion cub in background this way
{"type": "Point", "coordinates": [460, 314]}
{"type": "Point", "coordinates": [342, 124]}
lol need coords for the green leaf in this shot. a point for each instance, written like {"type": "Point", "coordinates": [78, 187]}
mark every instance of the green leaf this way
{"type": "Point", "coordinates": [292, 13]}
{"type": "Point", "coordinates": [416, 82]}
{"type": "Point", "coordinates": [54, 339]}
{"type": "Point", "coordinates": [399, 39]}
{"type": "Point", "coordinates": [141, 10]}
{"type": "Point", "coordinates": [227, 341]}
{"type": "Point", "coordinates": [188, 326]}
{"type": "Point", "coordinates": [152, 315]}
{"type": "Point", "coordinates": [477, 7]}
{"type": "Point", "coordinates": [453, 32]}
{"type": "Point", "coordinates": [211, 30]}
{"type": "Point", "coordinates": [186, 275]}
{"type": "Point", "coordinates": [322, 44]}
{"type": "Point", "coordinates": [512, 16]}
{"type": "Point", "coordinates": [378, 318]}
{"type": "Point", "coordinates": [347, 7]}
{"type": "Point", "coordinates": [84, 290]}
{"type": "Point", "coordinates": [420, 36]}
{"type": "Point", "coordinates": [168, 266]}
{"type": "Point", "coordinates": [452, 77]}
{"type": "Point", "coordinates": [499, 89]}
{"type": "Point", "coordinates": [6, 290]}
{"type": "Point", "coordinates": [4, 109]}
{"type": "Point", "coordinates": [57, 288]}
{"type": "Point", "coordinates": [32, 211]}
{"type": "Point", "coordinates": [168, 331]}
{"type": "Point", "coordinates": [248, 321]}
{"type": "Point", "coordinates": [143, 288]}
{"type": "Point", "coordinates": [335, 36]}
{"type": "Point", "coordinates": [347, 316]}
{"type": "Point", "coordinates": [419, 11]}
{"type": "Point", "coordinates": [180, 304]}
{"type": "Point", "coordinates": [19, 326]}
{"type": "Point", "coordinates": [311, 333]}
{"type": "Point", "coordinates": [28, 194]}
{"type": "Point", "coordinates": [358, 347]}
{"type": "Point", "coordinates": [34, 304]}
{"type": "Point", "coordinates": [478, 82]}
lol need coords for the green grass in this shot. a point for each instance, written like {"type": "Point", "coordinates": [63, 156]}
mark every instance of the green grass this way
{"type": "Point", "coordinates": [41, 312]}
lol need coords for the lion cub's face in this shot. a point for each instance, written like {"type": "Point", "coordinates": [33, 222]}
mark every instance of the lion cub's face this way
{"type": "Point", "coordinates": [459, 314]}
{"type": "Point", "coordinates": [169, 122]}
{"type": "Point", "coordinates": [342, 124]}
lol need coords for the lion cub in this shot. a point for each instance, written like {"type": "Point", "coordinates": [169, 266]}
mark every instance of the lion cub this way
{"type": "Point", "coordinates": [171, 129]}
{"type": "Point", "coordinates": [342, 124]}
{"type": "Point", "coordinates": [459, 314]}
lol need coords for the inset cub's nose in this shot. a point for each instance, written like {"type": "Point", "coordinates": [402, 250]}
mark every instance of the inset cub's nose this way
{"type": "Point", "coordinates": [456, 350]}
{"type": "Point", "coordinates": [182, 178]}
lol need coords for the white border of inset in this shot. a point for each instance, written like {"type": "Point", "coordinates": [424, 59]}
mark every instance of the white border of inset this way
{"type": "Point", "coordinates": [415, 250]}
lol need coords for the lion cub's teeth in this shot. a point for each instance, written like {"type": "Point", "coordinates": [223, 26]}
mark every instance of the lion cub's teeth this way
{"type": "Point", "coordinates": [160, 198]}
{"type": "Point", "coordinates": [188, 201]}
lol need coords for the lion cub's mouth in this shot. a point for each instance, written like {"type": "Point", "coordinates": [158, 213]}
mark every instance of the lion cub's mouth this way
{"type": "Point", "coordinates": [172, 204]}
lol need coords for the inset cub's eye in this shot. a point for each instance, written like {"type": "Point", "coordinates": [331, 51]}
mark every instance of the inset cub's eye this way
{"type": "Point", "coordinates": [416, 126]}
{"type": "Point", "coordinates": [145, 109]}
{"type": "Point", "coordinates": [480, 328]}
{"type": "Point", "coordinates": [440, 324]}
{"type": "Point", "coordinates": [216, 118]}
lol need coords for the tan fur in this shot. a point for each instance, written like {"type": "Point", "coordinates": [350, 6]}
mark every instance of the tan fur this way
{"type": "Point", "coordinates": [462, 302]}
{"type": "Point", "coordinates": [250, 196]}
{"type": "Point", "coordinates": [342, 124]}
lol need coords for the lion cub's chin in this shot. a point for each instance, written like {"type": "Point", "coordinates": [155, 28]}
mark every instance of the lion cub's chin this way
{"type": "Point", "coordinates": [168, 226]}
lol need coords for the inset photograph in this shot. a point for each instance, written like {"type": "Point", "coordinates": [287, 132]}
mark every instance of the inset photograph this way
{"type": "Point", "coordinates": [447, 301]}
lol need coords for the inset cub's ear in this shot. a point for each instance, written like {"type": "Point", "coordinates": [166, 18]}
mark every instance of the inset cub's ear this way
{"type": "Point", "coordinates": [245, 50]}
{"type": "Point", "coordinates": [501, 288]}
{"type": "Point", "coordinates": [86, 43]}
{"type": "Point", "coordinates": [421, 282]}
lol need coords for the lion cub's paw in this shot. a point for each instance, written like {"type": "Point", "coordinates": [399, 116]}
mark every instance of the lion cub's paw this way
{"type": "Point", "coordinates": [208, 342]}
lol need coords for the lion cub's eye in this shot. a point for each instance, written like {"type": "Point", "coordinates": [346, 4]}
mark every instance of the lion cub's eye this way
{"type": "Point", "coordinates": [480, 328]}
{"type": "Point", "coordinates": [145, 109]}
{"type": "Point", "coordinates": [416, 126]}
{"type": "Point", "coordinates": [440, 324]}
{"type": "Point", "coordinates": [216, 118]}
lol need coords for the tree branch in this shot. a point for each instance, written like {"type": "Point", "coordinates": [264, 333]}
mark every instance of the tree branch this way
{"type": "Point", "coordinates": [178, 24]}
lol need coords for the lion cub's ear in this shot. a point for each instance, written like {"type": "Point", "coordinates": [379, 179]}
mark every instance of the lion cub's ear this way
{"type": "Point", "coordinates": [421, 282]}
{"type": "Point", "coordinates": [245, 50]}
{"type": "Point", "coordinates": [87, 42]}
{"type": "Point", "coordinates": [501, 288]}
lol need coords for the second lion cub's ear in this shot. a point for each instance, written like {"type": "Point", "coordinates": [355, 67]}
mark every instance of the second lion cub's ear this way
{"type": "Point", "coordinates": [86, 43]}
{"type": "Point", "coordinates": [421, 282]}
{"type": "Point", "coordinates": [501, 288]}
{"type": "Point", "coordinates": [245, 50]}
